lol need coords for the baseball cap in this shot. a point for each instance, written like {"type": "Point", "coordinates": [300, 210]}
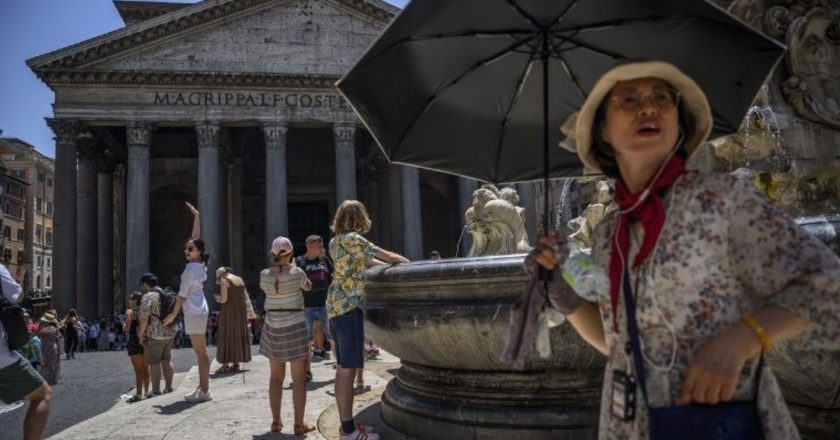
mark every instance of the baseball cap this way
{"type": "Point", "coordinates": [281, 246]}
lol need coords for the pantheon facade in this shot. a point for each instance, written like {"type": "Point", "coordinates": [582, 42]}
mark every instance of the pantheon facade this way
{"type": "Point", "coordinates": [229, 104]}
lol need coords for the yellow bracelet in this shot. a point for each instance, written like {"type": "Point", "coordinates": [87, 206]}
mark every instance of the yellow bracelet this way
{"type": "Point", "coordinates": [763, 339]}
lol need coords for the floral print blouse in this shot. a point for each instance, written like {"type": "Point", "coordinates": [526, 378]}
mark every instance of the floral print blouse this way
{"type": "Point", "coordinates": [724, 251]}
{"type": "Point", "coordinates": [349, 251]}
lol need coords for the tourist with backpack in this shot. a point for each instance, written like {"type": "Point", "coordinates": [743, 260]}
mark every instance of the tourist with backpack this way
{"type": "Point", "coordinates": [156, 338]}
{"type": "Point", "coordinates": [191, 299]}
{"type": "Point", "coordinates": [18, 379]}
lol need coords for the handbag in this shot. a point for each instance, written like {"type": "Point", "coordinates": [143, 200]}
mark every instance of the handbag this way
{"type": "Point", "coordinates": [725, 421]}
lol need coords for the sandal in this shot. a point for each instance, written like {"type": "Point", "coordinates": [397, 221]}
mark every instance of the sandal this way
{"type": "Point", "coordinates": [222, 370]}
{"type": "Point", "coordinates": [276, 426]}
{"type": "Point", "coordinates": [303, 428]}
{"type": "Point", "coordinates": [361, 389]}
{"type": "Point", "coordinates": [308, 376]}
{"type": "Point", "coordinates": [134, 398]}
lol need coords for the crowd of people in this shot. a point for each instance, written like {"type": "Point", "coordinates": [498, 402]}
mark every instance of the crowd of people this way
{"type": "Point", "coordinates": [314, 303]}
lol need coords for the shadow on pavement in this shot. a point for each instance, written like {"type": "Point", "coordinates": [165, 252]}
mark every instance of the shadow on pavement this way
{"type": "Point", "coordinates": [174, 408]}
{"type": "Point", "coordinates": [314, 385]}
{"type": "Point", "coordinates": [276, 436]}
{"type": "Point", "coordinates": [215, 375]}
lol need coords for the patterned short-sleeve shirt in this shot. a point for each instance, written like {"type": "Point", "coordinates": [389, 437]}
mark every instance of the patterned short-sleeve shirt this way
{"type": "Point", "coordinates": [724, 251]}
{"type": "Point", "coordinates": [350, 253]}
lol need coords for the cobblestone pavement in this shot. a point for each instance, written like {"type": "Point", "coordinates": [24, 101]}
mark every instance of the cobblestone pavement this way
{"type": "Point", "coordinates": [91, 384]}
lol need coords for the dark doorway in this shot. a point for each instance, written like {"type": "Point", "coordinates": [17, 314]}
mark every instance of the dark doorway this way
{"type": "Point", "coordinates": [439, 224]}
{"type": "Point", "coordinates": [308, 218]}
{"type": "Point", "coordinates": [170, 226]}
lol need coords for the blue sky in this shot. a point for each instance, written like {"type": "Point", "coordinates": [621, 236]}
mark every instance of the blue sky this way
{"type": "Point", "coordinates": [33, 27]}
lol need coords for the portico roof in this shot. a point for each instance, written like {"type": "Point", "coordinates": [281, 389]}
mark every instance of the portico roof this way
{"type": "Point", "coordinates": [78, 63]}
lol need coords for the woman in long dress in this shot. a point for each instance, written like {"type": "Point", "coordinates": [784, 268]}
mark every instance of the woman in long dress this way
{"type": "Point", "coordinates": [232, 346]}
{"type": "Point", "coordinates": [51, 363]}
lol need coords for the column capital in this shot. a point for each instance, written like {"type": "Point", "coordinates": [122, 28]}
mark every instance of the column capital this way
{"type": "Point", "coordinates": [208, 134]}
{"type": "Point", "coordinates": [345, 134]}
{"type": "Point", "coordinates": [139, 134]}
{"type": "Point", "coordinates": [85, 145]}
{"type": "Point", "coordinates": [275, 135]}
{"type": "Point", "coordinates": [65, 130]}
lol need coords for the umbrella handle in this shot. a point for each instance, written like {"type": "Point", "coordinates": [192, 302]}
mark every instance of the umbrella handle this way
{"type": "Point", "coordinates": [547, 192]}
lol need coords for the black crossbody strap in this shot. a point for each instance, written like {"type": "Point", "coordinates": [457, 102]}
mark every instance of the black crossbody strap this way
{"type": "Point", "coordinates": [633, 332]}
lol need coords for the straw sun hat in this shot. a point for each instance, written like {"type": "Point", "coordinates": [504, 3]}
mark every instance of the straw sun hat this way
{"type": "Point", "coordinates": [692, 98]}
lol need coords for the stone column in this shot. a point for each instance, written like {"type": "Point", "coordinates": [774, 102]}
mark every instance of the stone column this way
{"type": "Point", "coordinates": [209, 198]}
{"type": "Point", "coordinates": [528, 200]}
{"type": "Point", "coordinates": [393, 187]}
{"type": "Point", "coordinates": [64, 223]}
{"type": "Point", "coordinates": [119, 221]}
{"type": "Point", "coordinates": [87, 238]}
{"type": "Point", "coordinates": [223, 249]}
{"type": "Point", "coordinates": [412, 229]}
{"type": "Point", "coordinates": [466, 187]}
{"type": "Point", "coordinates": [276, 196]}
{"type": "Point", "coordinates": [139, 139]}
{"type": "Point", "coordinates": [105, 226]}
{"type": "Point", "coordinates": [235, 215]}
{"type": "Point", "coordinates": [345, 161]}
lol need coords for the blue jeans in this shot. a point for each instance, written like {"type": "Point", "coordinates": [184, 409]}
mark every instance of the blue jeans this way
{"type": "Point", "coordinates": [348, 332]}
{"type": "Point", "coordinates": [316, 313]}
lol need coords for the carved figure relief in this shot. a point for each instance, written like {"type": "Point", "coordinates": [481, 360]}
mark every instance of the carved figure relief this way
{"type": "Point", "coordinates": [496, 223]}
{"type": "Point", "coordinates": [814, 60]}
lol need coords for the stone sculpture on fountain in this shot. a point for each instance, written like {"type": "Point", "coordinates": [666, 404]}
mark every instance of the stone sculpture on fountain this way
{"type": "Point", "coordinates": [496, 222]}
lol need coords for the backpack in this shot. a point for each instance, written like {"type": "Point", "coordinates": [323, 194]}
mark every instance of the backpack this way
{"type": "Point", "coordinates": [167, 298]}
{"type": "Point", "coordinates": [14, 322]}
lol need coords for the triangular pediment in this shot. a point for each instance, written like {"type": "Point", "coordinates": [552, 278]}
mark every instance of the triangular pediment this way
{"type": "Point", "coordinates": [250, 37]}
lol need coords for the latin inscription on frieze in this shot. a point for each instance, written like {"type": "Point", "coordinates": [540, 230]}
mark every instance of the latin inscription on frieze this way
{"type": "Point", "coordinates": [249, 99]}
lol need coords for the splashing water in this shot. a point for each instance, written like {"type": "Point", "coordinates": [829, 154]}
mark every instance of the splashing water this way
{"type": "Point", "coordinates": [763, 118]}
{"type": "Point", "coordinates": [564, 209]}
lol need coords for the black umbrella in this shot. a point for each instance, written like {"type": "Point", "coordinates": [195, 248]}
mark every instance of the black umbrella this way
{"type": "Point", "coordinates": [478, 88]}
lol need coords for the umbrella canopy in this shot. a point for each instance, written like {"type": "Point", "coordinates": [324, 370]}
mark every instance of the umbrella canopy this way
{"type": "Point", "coordinates": [470, 87]}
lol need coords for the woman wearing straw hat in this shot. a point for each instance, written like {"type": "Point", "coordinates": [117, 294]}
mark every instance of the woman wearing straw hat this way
{"type": "Point", "coordinates": [704, 273]}
{"type": "Point", "coordinates": [284, 337]}
{"type": "Point", "coordinates": [48, 332]}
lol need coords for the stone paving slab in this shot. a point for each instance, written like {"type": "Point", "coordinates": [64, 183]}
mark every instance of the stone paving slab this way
{"type": "Point", "coordinates": [239, 409]}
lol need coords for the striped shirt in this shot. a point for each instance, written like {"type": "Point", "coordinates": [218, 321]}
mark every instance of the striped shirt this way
{"type": "Point", "coordinates": [283, 291]}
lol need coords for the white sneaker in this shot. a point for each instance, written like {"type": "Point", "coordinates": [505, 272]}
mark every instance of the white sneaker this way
{"type": "Point", "coordinates": [11, 406]}
{"type": "Point", "coordinates": [197, 396]}
{"type": "Point", "coordinates": [361, 433]}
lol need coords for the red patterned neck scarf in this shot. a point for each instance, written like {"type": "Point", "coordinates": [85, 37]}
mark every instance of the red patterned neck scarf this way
{"type": "Point", "coordinates": [648, 207]}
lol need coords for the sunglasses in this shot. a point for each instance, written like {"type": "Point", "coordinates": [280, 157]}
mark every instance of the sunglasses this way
{"type": "Point", "coordinates": [663, 98]}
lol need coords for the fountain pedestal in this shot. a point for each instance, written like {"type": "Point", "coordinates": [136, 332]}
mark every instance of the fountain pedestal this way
{"type": "Point", "coordinates": [446, 321]}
